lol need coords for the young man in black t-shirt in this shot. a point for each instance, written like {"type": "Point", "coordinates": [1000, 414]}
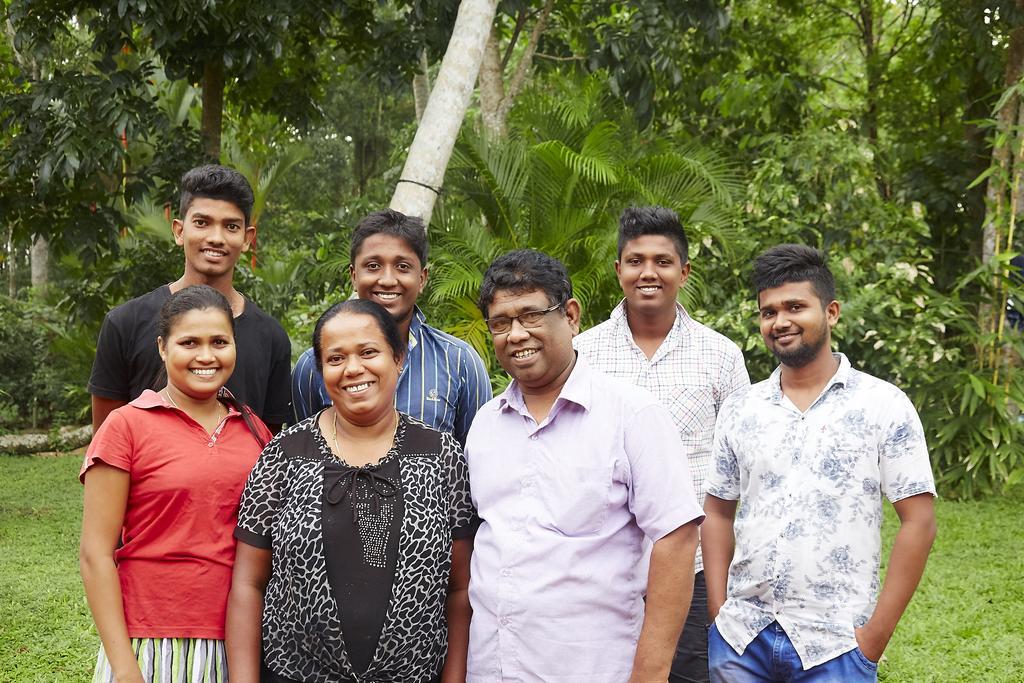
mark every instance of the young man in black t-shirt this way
{"type": "Point", "coordinates": [214, 231]}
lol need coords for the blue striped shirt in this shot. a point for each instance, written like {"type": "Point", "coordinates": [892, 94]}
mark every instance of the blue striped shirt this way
{"type": "Point", "coordinates": [443, 381]}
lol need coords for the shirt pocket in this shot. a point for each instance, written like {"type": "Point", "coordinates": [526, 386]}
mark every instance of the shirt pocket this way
{"type": "Point", "coordinates": [693, 409]}
{"type": "Point", "coordinates": [574, 500]}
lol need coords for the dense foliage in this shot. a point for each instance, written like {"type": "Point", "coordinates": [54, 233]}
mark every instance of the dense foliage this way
{"type": "Point", "coordinates": [857, 126]}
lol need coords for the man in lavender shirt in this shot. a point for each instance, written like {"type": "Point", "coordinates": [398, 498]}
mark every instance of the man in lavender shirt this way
{"type": "Point", "coordinates": [570, 470]}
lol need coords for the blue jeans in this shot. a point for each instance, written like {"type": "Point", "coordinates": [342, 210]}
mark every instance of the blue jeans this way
{"type": "Point", "coordinates": [771, 658]}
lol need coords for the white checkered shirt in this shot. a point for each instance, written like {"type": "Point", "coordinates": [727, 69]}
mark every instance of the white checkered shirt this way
{"type": "Point", "coordinates": [691, 373]}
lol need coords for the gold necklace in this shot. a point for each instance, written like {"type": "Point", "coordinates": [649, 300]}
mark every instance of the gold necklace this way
{"type": "Point", "coordinates": [167, 393]}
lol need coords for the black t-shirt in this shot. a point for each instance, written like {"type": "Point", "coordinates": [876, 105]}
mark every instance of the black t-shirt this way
{"type": "Point", "coordinates": [127, 361]}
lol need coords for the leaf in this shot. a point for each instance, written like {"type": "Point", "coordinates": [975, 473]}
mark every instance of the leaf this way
{"type": "Point", "coordinates": [977, 386]}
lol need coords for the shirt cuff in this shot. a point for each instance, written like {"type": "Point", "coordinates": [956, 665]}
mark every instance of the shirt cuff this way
{"type": "Point", "coordinates": [253, 539]}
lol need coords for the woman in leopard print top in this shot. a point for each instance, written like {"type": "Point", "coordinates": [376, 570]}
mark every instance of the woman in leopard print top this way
{"type": "Point", "coordinates": [355, 531]}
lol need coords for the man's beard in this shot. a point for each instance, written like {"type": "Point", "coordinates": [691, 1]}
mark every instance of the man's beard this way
{"type": "Point", "coordinates": [800, 356]}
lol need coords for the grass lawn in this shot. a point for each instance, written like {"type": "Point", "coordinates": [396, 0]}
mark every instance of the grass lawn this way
{"type": "Point", "coordinates": [966, 622]}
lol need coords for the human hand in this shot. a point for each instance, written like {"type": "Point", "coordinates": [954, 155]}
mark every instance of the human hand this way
{"type": "Point", "coordinates": [871, 644]}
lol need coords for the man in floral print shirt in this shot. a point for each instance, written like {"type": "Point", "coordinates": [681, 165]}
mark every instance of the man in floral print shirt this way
{"type": "Point", "coordinates": [792, 579]}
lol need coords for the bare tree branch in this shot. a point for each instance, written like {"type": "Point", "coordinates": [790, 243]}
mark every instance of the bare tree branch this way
{"type": "Point", "coordinates": [556, 58]}
{"type": "Point", "coordinates": [525, 64]}
{"type": "Point", "coordinates": [846, 13]}
{"type": "Point", "coordinates": [520, 23]}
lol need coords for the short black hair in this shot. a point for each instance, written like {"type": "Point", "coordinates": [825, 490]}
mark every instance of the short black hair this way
{"type": "Point", "coordinates": [391, 222]}
{"type": "Point", "coordinates": [214, 181]}
{"type": "Point", "coordinates": [386, 323]}
{"type": "Point", "coordinates": [794, 263]}
{"type": "Point", "coordinates": [525, 270]}
{"type": "Point", "coordinates": [637, 221]}
{"type": "Point", "coordinates": [192, 298]}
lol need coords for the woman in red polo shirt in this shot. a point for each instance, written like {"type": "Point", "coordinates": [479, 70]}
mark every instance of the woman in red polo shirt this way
{"type": "Point", "coordinates": [163, 476]}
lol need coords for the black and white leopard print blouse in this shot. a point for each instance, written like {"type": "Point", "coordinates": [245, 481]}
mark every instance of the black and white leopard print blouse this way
{"type": "Point", "coordinates": [281, 509]}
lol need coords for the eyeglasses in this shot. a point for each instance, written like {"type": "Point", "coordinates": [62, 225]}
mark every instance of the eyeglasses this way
{"type": "Point", "coordinates": [503, 324]}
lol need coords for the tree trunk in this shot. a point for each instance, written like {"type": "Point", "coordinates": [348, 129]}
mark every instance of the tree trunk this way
{"type": "Point", "coordinates": [998, 202]}
{"type": "Point", "coordinates": [421, 86]}
{"type": "Point", "coordinates": [435, 138]}
{"type": "Point", "coordinates": [495, 99]}
{"type": "Point", "coordinates": [12, 260]}
{"type": "Point", "coordinates": [213, 107]}
{"type": "Point", "coordinates": [996, 188]}
{"type": "Point", "coordinates": [40, 264]}
{"type": "Point", "coordinates": [492, 87]}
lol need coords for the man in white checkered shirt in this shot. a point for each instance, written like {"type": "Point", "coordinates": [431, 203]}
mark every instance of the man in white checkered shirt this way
{"type": "Point", "coordinates": [652, 341]}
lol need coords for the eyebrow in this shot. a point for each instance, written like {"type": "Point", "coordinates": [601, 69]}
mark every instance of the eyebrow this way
{"type": "Point", "coordinates": [787, 302]}
{"type": "Point", "coordinates": [359, 345]}
{"type": "Point", "coordinates": [409, 256]}
{"type": "Point", "coordinates": [664, 254]}
{"type": "Point", "coordinates": [229, 219]}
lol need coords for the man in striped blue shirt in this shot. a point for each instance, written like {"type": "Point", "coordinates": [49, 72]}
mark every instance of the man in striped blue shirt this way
{"type": "Point", "coordinates": [443, 381]}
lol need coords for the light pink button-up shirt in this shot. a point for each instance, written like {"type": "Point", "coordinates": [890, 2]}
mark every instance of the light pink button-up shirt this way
{"type": "Point", "coordinates": [557, 579]}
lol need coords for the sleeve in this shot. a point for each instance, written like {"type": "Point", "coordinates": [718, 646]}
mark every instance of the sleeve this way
{"type": "Point", "coordinates": [261, 498]}
{"type": "Point", "coordinates": [110, 372]}
{"type": "Point", "coordinates": [723, 479]}
{"type": "Point", "coordinates": [307, 387]}
{"type": "Point", "coordinates": [276, 409]}
{"type": "Point", "coordinates": [462, 515]}
{"type": "Point", "coordinates": [734, 375]}
{"type": "Point", "coordinates": [112, 445]}
{"type": "Point", "coordinates": [475, 391]}
{"type": "Point", "coordinates": [903, 463]}
{"type": "Point", "coordinates": [661, 494]}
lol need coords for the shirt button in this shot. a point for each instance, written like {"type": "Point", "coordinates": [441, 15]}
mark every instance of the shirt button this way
{"type": "Point", "coordinates": [506, 572]}
{"type": "Point", "coordinates": [533, 437]}
{"type": "Point", "coordinates": [209, 445]}
{"type": "Point", "coordinates": [504, 621]}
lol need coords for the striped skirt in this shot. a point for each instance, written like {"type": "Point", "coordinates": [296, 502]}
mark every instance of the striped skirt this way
{"type": "Point", "coordinates": [172, 660]}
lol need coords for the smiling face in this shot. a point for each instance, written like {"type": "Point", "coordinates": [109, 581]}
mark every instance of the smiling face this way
{"type": "Point", "coordinates": [795, 325]}
{"type": "Point", "coordinates": [198, 353]}
{"type": "Point", "coordinates": [386, 270]}
{"type": "Point", "coordinates": [359, 368]}
{"type": "Point", "coordinates": [651, 272]}
{"type": "Point", "coordinates": [539, 358]}
{"type": "Point", "coordinates": [214, 235]}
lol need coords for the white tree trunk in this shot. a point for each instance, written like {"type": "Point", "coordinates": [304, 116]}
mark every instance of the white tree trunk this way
{"type": "Point", "coordinates": [435, 138]}
{"type": "Point", "coordinates": [39, 259]}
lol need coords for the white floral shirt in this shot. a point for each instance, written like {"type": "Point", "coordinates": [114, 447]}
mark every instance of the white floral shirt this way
{"type": "Point", "coordinates": [810, 486]}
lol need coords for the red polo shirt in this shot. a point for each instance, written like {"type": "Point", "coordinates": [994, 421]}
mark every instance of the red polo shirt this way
{"type": "Point", "coordinates": [175, 564]}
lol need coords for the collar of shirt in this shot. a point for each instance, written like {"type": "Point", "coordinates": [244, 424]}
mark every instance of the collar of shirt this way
{"type": "Point", "coordinates": [150, 399]}
{"type": "Point", "coordinates": [575, 390]}
{"type": "Point", "coordinates": [678, 335]}
{"type": "Point", "coordinates": [773, 387]}
{"type": "Point", "coordinates": [415, 326]}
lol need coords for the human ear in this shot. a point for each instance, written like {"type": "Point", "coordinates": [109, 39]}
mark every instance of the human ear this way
{"type": "Point", "coordinates": [177, 228]}
{"type": "Point", "coordinates": [250, 237]}
{"type": "Point", "coordinates": [832, 313]}
{"type": "Point", "coordinates": [572, 314]}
